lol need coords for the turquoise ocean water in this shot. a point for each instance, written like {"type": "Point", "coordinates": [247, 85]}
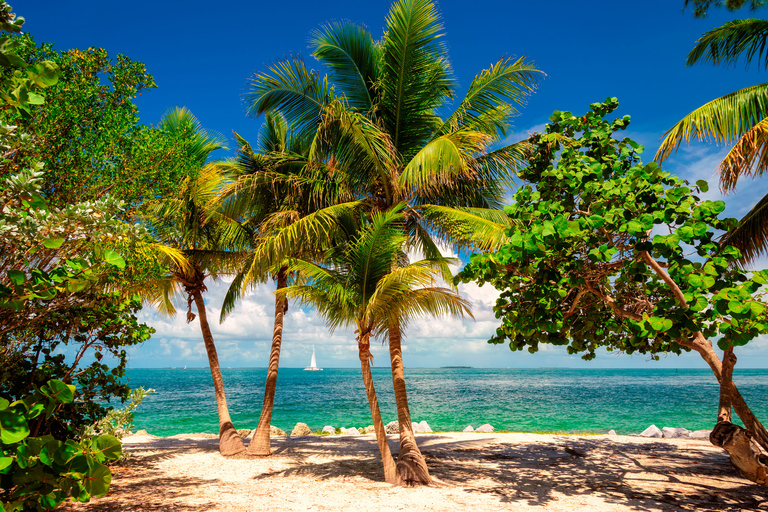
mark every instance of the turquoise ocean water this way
{"type": "Point", "coordinates": [519, 400]}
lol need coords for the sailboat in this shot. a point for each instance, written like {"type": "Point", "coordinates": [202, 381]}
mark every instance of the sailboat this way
{"type": "Point", "coordinates": [313, 364]}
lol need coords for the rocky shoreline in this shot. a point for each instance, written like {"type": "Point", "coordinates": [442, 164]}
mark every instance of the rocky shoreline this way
{"type": "Point", "coordinates": [422, 427]}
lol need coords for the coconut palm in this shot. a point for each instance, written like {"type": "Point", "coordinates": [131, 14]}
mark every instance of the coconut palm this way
{"type": "Point", "coordinates": [366, 284]}
{"type": "Point", "coordinates": [376, 119]}
{"type": "Point", "coordinates": [186, 222]}
{"type": "Point", "coordinates": [739, 118]}
{"type": "Point", "coordinates": [280, 206]}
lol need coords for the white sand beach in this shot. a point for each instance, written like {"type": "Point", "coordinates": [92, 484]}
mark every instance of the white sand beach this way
{"type": "Point", "coordinates": [475, 472]}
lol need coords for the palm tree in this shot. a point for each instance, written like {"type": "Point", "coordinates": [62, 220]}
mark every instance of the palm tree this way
{"type": "Point", "coordinates": [366, 284]}
{"type": "Point", "coordinates": [376, 119]}
{"type": "Point", "coordinates": [186, 222]}
{"type": "Point", "coordinates": [280, 206]}
{"type": "Point", "coordinates": [739, 118]}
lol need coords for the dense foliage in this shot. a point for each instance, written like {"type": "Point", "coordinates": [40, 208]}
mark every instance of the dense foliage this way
{"type": "Point", "coordinates": [612, 253]}
{"type": "Point", "coordinates": [38, 473]}
{"type": "Point", "coordinates": [88, 135]}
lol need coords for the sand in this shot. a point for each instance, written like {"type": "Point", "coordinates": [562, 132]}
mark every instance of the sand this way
{"type": "Point", "coordinates": [477, 472]}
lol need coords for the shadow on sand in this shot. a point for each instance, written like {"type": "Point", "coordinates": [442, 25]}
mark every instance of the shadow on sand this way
{"type": "Point", "coordinates": [638, 475]}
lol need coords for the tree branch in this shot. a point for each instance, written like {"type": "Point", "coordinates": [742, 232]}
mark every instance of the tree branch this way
{"type": "Point", "coordinates": [612, 304]}
{"type": "Point", "coordinates": [665, 277]}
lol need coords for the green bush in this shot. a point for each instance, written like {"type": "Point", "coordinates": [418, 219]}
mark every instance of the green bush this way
{"type": "Point", "coordinates": [39, 473]}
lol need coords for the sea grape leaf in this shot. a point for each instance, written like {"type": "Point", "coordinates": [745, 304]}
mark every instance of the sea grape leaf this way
{"type": "Point", "coordinates": [97, 481]}
{"type": "Point", "coordinates": [114, 259]}
{"type": "Point", "coordinates": [13, 426]}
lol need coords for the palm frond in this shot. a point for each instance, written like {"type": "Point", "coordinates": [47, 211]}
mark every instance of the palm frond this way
{"type": "Point", "coordinates": [415, 77]}
{"type": "Point", "coordinates": [493, 96]}
{"type": "Point", "coordinates": [727, 43]}
{"type": "Point", "coordinates": [751, 235]}
{"type": "Point", "coordinates": [474, 229]}
{"type": "Point", "coordinates": [376, 249]}
{"type": "Point", "coordinates": [724, 119]}
{"type": "Point", "coordinates": [356, 145]}
{"type": "Point", "coordinates": [292, 89]}
{"type": "Point", "coordinates": [273, 136]}
{"type": "Point", "coordinates": [286, 235]}
{"type": "Point", "coordinates": [350, 52]}
{"type": "Point", "coordinates": [442, 159]}
{"type": "Point", "coordinates": [200, 143]}
{"type": "Point", "coordinates": [748, 157]}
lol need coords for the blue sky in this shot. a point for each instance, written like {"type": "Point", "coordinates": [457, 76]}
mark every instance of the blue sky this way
{"type": "Point", "coordinates": [202, 55]}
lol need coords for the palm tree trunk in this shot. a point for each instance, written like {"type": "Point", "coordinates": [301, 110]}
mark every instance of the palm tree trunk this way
{"type": "Point", "coordinates": [260, 444]}
{"type": "Point", "coordinates": [390, 470]}
{"type": "Point", "coordinates": [230, 441]}
{"type": "Point", "coordinates": [411, 465]}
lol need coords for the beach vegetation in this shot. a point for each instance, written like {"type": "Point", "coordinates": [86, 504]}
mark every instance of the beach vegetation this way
{"type": "Point", "coordinates": [376, 117]}
{"type": "Point", "coordinates": [738, 118]}
{"type": "Point", "coordinates": [87, 132]}
{"type": "Point", "coordinates": [279, 206]}
{"type": "Point", "coordinates": [185, 221]}
{"type": "Point", "coordinates": [40, 472]}
{"type": "Point", "coordinates": [118, 422]}
{"type": "Point", "coordinates": [365, 283]}
{"type": "Point", "coordinates": [611, 253]}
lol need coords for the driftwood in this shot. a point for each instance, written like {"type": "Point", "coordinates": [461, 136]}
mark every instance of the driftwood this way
{"type": "Point", "coordinates": [746, 455]}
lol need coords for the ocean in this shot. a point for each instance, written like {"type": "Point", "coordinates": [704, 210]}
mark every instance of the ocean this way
{"type": "Point", "coordinates": [449, 399]}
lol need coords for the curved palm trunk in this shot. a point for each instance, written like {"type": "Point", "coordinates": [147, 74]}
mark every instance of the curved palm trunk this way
{"type": "Point", "coordinates": [260, 444]}
{"type": "Point", "coordinates": [390, 470]}
{"type": "Point", "coordinates": [230, 442]}
{"type": "Point", "coordinates": [411, 465]}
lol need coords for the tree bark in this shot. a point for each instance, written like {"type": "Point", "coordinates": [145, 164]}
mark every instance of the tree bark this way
{"type": "Point", "coordinates": [744, 452]}
{"type": "Point", "coordinates": [704, 347]}
{"type": "Point", "coordinates": [260, 444]}
{"type": "Point", "coordinates": [230, 442]}
{"type": "Point", "coordinates": [390, 470]}
{"type": "Point", "coordinates": [411, 465]}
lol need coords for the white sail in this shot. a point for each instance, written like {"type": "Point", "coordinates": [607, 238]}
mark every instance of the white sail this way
{"type": "Point", "coordinates": [313, 363]}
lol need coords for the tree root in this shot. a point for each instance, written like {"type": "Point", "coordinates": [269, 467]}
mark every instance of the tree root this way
{"type": "Point", "coordinates": [230, 442]}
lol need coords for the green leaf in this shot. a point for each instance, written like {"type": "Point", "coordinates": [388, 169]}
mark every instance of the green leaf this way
{"type": "Point", "coordinates": [700, 304]}
{"type": "Point", "coordinates": [703, 186]}
{"type": "Point", "coordinates": [62, 392]}
{"type": "Point", "coordinates": [53, 243]}
{"type": "Point", "coordinates": [114, 259]}
{"type": "Point", "coordinates": [17, 277]}
{"type": "Point", "coordinates": [76, 285]}
{"type": "Point", "coordinates": [5, 462]}
{"type": "Point", "coordinates": [109, 446]}
{"type": "Point", "coordinates": [13, 426]}
{"type": "Point", "coordinates": [97, 481]}
{"type": "Point", "coordinates": [66, 452]}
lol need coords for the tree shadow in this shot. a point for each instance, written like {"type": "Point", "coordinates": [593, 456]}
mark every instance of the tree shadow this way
{"type": "Point", "coordinates": [642, 476]}
{"type": "Point", "coordinates": [330, 457]}
{"type": "Point", "coordinates": [136, 487]}
{"type": "Point", "coordinates": [601, 472]}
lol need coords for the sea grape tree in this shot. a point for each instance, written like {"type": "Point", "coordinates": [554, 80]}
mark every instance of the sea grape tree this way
{"type": "Point", "coordinates": [609, 252]}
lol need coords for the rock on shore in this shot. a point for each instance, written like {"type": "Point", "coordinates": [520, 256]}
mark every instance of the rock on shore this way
{"type": "Point", "coordinates": [301, 429]}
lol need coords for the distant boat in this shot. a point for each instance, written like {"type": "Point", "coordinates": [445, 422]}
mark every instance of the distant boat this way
{"type": "Point", "coordinates": [313, 364]}
{"type": "Point", "coordinates": [185, 367]}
